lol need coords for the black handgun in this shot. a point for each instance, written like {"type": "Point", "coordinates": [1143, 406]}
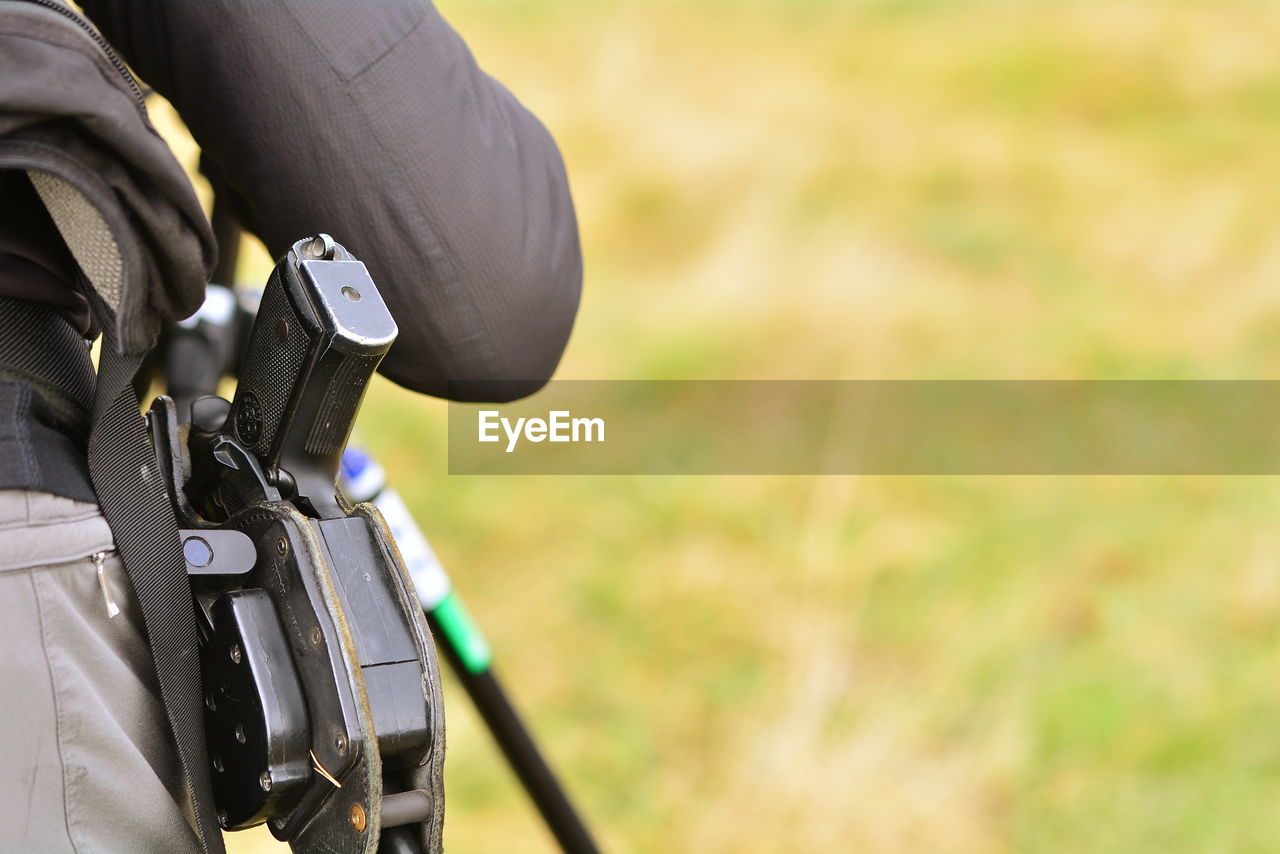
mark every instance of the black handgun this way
{"type": "Point", "coordinates": [322, 685]}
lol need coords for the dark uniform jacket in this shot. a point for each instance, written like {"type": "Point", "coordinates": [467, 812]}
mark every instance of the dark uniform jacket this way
{"type": "Point", "coordinates": [367, 120]}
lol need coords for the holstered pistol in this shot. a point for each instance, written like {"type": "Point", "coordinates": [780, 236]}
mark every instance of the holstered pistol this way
{"type": "Point", "coordinates": [322, 685]}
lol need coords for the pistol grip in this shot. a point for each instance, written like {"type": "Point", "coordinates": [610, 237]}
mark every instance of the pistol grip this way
{"type": "Point", "coordinates": [320, 333]}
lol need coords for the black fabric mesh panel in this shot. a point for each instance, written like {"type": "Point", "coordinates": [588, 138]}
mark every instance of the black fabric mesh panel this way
{"type": "Point", "coordinates": [40, 342]}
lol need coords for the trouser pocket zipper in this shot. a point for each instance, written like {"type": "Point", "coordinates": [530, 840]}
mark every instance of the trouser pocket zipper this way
{"type": "Point", "coordinates": [105, 583]}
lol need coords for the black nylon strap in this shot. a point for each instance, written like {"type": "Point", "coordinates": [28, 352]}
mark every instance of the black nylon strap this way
{"type": "Point", "coordinates": [127, 479]}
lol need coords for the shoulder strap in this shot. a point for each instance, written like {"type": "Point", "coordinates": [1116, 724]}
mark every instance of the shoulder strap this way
{"type": "Point", "coordinates": [126, 477]}
{"type": "Point", "coordinates": [131, 492]}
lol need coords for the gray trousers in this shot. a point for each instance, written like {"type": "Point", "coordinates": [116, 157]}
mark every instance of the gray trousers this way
{"type": "Point", "coordinates": [86, 758]}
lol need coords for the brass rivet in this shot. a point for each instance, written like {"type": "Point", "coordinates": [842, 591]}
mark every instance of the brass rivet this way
{"type": "Point", "coordinates": [282, 547]}
{"type": "Point", "coordinates": [317, 636]}
{"type": "Point", "coordinates": [357, 818]}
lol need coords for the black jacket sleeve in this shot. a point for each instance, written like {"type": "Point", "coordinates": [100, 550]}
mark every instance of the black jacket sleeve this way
{"type": "Point", "coordinates": [370, 120]}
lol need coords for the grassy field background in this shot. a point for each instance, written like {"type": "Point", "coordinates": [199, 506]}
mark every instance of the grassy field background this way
{"type": "Point", "coordinates": [910, 189]}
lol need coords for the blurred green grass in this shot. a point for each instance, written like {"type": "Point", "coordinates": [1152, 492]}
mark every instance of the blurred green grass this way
{"type": "Point", "coordinates": [911, 189]}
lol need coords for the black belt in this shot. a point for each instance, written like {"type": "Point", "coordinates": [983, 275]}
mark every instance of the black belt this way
{"type": "Point", "coordinates": [46, 396]}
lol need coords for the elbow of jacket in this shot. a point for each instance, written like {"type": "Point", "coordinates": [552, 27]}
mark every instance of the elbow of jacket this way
{"type": "Point", "coordinates": [528, 340]}
{"type": "Point", "coordinates": [513, 349]}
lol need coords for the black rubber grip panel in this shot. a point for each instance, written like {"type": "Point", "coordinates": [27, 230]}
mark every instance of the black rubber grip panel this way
{"type": "Point", "coordinates": [271, 369]}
